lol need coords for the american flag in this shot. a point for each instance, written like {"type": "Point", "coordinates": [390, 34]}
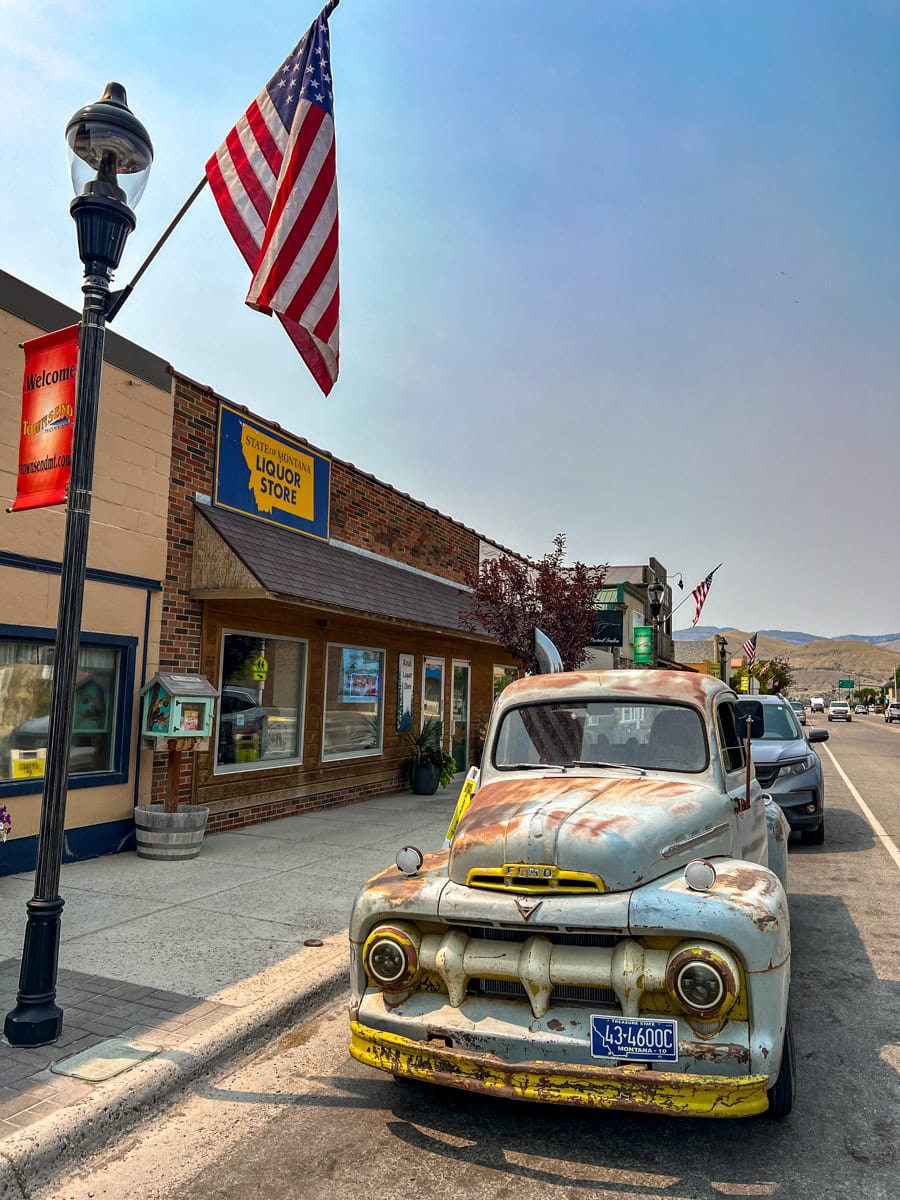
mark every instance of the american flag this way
{"type": "Point", "coordinates": [749, 648]}
{"type": "Point", "coordinates": [700, 592]}
{"type": "Point", "coordinates": [275, 183]}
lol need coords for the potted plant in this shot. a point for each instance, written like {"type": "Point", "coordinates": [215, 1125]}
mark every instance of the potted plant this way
{"type": "Point", "coordinates": [429, 766]}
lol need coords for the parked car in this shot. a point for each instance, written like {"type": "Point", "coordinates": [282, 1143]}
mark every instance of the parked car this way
{"type": "Point", "coordinates": [892, 712]}
{"type": "Point", "coordinates": [242, 725]}
{"type": "Point", "coordinates": [786, 765]}
{"type": "Point", "coordinates": [607, 924]}
{"type": "Point", "coordinates": [872, 709]}
{"type": "Point", "coordinates": [839, 710]}
{"type": "Point", "coordinates": [799, 711]}
{"type": "Point", "coordinates": [87, 751]}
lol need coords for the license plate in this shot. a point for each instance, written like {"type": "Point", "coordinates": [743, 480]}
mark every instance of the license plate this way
{"type": "Point", "coordinates": [647, 1039]}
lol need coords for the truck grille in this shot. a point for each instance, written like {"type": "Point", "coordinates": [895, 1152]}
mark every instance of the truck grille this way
{"type": "Point", "coordinates": [530, 879]}
{"type": "Point", "coordinates": [557, 937]}
{"type": "Point", "coordinates": [509, 989]}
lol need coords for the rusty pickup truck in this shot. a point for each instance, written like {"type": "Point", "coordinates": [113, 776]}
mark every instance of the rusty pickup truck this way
{"type": "Point", "coordinates": [607, 924]}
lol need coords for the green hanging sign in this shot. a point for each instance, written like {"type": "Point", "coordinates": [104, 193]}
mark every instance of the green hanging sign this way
{"type": "Point", "coordinates": [643, 645]}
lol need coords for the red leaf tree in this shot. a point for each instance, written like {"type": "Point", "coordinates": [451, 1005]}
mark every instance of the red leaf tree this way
{"type": "Point", "coordinates": [512, 595]}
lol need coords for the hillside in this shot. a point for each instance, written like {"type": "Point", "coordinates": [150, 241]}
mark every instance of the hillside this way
{"type": "Point", "coordinates": [700, 632]}
{"type": "Point", "coordinates": [818, 666]}
{"type": "Point", "coordinates": [887, 641]}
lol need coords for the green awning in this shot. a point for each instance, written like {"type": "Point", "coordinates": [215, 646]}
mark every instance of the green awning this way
{"type": "Point", "coordinates": [610, 597]}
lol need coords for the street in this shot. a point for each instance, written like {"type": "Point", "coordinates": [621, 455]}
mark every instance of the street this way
{"type": "Point", "coordinates": [303, 1120]}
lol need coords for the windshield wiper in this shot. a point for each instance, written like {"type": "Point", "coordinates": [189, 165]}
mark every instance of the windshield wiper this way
{"type": "Point", "coordinates": [534, 767]}
{"type": "Point", "coordinates": [584, 762]}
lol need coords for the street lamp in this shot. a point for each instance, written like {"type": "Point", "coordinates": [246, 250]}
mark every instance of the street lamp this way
{"type": "Point", "coordinates": [655, 593]}
{"type": "Point", "coordinates": [723, 659]}
{"type": "Point", "coordinates": [110, 155]}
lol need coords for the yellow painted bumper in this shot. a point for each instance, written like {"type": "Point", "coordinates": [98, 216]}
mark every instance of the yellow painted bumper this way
{"type": "Point", "coordinates": [629, 1087]}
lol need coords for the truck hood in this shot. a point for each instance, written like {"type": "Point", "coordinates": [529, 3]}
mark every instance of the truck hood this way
{"type": "Point", "coordinates": [625, 830]}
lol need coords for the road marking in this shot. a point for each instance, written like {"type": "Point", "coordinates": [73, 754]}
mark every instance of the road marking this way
{"type": "Point", "coordinates": [877, 828]}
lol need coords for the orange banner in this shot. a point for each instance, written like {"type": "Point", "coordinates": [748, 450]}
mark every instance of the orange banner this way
{"type": "Point", "coordinates": [48, 419]}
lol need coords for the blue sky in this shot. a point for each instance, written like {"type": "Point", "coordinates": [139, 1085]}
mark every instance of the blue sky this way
{"type": "Point", "coordinates": [626, 269]}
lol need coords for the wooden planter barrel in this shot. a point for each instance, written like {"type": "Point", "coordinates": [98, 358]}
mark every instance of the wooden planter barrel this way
{"type": "Point", "coordinates": [169, 837]}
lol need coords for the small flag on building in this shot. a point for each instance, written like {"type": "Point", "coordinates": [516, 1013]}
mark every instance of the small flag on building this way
{"type": "Point", "coordinates": [700, 592]}
{"type": "Point", "coordinates": [275, 183]}
{"type": "Point", "coordinates": [749, 648]}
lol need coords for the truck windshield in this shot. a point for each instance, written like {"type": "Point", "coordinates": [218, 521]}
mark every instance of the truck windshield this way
{"type": "Point", "coordinates": [665, 737]}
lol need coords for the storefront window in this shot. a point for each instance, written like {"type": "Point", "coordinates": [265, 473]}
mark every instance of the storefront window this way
{"type": "Point", "coordinates": [354, 702]}
{"type": "Point", "coordinates": [26, 672]}
{"type": "Point", "coordinates": [260, 710]}
{"type": "Point", "coordinates": [433, 689]}
{"type": "Point", "coordinates": [503, 677]}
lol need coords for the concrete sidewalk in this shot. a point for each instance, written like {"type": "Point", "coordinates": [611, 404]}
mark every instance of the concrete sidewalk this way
{"type": "Point", "coordinates": [199, 958]}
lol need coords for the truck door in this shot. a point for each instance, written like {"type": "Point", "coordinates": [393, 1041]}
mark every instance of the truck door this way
{"type": "Point", "coordinates": [751, 816]}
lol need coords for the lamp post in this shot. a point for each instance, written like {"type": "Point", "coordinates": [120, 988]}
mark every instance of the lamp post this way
{"type": "Point", "coordinates": [723, 659]}
{"type": "Point", "coordinates": [110, 155]}
{"type": "Point", "coordinates": [656, 591]}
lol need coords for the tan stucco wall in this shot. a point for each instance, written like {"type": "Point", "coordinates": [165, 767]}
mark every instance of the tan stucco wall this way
{"type": "Point", "coordinates": [131, 470]}
{"type": "Point", "coordinates": [128, 536]}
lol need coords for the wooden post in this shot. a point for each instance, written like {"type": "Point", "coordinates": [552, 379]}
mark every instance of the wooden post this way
{"type": "Point", "coordinates": [176, 757]}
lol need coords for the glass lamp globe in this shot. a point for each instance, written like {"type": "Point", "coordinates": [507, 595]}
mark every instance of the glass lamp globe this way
{"type": "Point", "coordinates": [109, 149]}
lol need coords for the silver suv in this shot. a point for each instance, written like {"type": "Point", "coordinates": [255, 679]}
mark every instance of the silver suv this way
{"type": "Point", "coordinates": [892, 712]}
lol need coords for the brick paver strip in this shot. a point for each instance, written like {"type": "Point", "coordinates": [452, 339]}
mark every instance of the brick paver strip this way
{"type": "Point", "coordinates": [95, 1008]}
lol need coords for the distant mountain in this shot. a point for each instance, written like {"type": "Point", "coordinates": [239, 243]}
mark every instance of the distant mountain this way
{"type": "Point", "coordinates": [699, 633]}
{"type": "Point", "coordinates": [702, 632]}
{"type": "Point", "coordinates": [887, 641]}
{"type": "Point", "coordinates": [877, 639]}
{"type": "Point", "coordinates": [817, 666]}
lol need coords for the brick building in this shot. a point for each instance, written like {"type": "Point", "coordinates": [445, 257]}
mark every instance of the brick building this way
{"type": "Point", "coordinates": [334, 604]}
{"type": "Point", "coordinates": [346, 596]}
{"type": "Point", "coordinates": [326, 606]}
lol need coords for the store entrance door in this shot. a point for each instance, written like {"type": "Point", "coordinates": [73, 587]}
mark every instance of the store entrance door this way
{"type": "Point", "coordinates": [459, 721]}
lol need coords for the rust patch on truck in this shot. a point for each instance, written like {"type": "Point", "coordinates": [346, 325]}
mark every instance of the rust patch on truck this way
{"type": "Point", "coordinates": [396, 887]}
{"type": "Point", "coordinates": [714, 1052]}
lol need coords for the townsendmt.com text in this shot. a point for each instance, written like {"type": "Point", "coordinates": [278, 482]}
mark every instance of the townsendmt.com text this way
{"type": "Point", "coordinates": [51, 463]}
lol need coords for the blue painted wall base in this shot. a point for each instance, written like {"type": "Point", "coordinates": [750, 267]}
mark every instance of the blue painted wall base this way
{"type": "Point", "coordinates": [91, 841]}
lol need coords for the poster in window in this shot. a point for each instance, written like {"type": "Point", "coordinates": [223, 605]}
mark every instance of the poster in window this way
{"type": "Point", "coordinates": [433, 689]}
{"type": "Point", "coordinates": [406, 665]}
{"type": "Point", "coordinates": [360, 676]}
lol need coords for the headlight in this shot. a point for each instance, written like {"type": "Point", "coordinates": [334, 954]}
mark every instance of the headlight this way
{"type": "Point", "coordinates": [703, 980]}
{"type": "Point", "coordinates": [387, 960]}
{"type": "Point", "coordinates": [799, 768]}
{"type": "Point", "coordinates": [700, 985]}
{"type": "Point", "coordinates": [391, 956]}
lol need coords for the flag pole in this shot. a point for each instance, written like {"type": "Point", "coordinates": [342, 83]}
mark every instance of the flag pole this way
{"type": "Point", "coordinates": [688, 596]}
{"type": "Point", "coordinates": [117, 299]}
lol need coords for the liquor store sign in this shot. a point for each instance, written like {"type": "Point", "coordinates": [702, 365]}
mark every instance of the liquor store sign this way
{"type": "Point", "coordinates": [271, 476]}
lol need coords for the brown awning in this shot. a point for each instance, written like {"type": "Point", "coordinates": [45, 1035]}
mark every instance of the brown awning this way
{"type": "Point", "coordinates": [274, 562]}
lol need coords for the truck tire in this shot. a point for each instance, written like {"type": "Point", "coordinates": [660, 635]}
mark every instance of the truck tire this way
{"type": "Point", "coordinates": [781, 1093]}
